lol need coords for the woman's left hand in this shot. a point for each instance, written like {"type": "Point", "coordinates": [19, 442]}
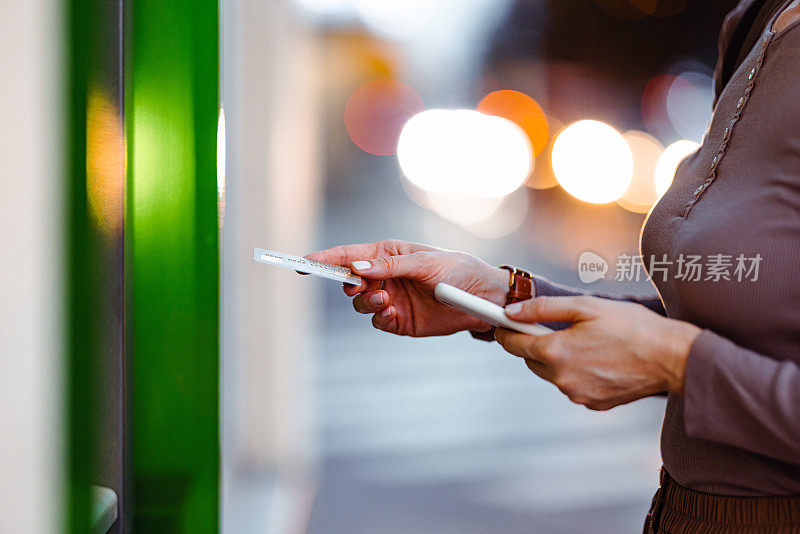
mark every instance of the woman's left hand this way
{"type": "Point", "coordinates": [614, 352]}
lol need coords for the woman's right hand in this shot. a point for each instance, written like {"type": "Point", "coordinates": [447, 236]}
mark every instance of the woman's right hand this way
{"type": "Point", "coordinates": [398, 283]}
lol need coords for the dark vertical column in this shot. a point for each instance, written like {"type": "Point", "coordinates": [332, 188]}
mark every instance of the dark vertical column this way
{"type": "Point", "coordinates": [94, 243]}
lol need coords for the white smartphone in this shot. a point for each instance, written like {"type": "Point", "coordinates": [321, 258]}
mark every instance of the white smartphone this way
{"type": "Point", "coordinates": [485, 310]}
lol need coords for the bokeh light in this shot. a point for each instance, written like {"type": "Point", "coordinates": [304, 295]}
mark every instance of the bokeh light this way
{"type": "Point", "coordinates": [678, 103]}
{"type": "Point", "coordinates": [465, 152]}
{"type": "Point", "coordinates": [105, 162]}
{"type": "Point", "coordinates": [542, 176]}
{"type": "Point", "coordinates": [506, 219]}
{"type": "Point", "coordinates": [642, 194]}
{"type": "Point", "coordinates": [376, 112]}
{"type": "Point", "coordinates": [654, 106]}
{"type": "Point", "coordinates": [396, 19]}
{"type": "Point", "coordinates": [673, 155]}
{"type": "Point", "coordinates": [523, 111]}
{"type": "Point", "coordinates": [462, 209]}
{"type": "Point", "coordinates": [592, 162]}
{"type": "Point", "coordinates": [689, 101]}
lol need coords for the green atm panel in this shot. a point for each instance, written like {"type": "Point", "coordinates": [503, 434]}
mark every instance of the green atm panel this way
{"type": "Point", "coordinates": [172, 264]}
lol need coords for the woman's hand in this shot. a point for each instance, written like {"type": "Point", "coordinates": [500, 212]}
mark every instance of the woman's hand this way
{"type": "Point", "coordinates": [399, 279]}
{"type": "Point", "coordinates": [614, 353]}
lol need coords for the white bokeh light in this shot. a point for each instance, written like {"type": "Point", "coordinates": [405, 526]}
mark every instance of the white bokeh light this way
{"type": "Point", "coordinates": [641, 193]}
{"type": "Point", "coordinates": [464, 152]}
{"type": "Point", "coordinates": [689, 102]}
{"type": "Point", "coordinates": [506, 219]}
{"type": "Point", "coordinates": [592, 162]}
{"type": "Point", "coordinates": [462, 209]}
{"type": "Point", "coordinates": [668, 163]}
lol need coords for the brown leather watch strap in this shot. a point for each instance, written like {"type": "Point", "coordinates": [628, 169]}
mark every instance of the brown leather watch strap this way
{"type": "Point", "coordinates": [520, 287]}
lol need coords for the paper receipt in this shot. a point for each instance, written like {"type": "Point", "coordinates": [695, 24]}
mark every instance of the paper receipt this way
{"type": "Point", "coordinates": [296, 263]}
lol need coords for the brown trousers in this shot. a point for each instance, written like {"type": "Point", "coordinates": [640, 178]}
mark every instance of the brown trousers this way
{"type": "Point", "coordinates": [679, 510]}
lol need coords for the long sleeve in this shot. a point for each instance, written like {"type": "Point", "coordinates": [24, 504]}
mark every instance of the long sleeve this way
{"type": "Point", "coordinates": [744, 399]}
{"type": "Point", "coordinates": [546, 288]}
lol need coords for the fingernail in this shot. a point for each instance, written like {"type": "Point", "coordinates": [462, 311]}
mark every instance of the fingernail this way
{"type": "Point", "coordinates": [377, 299]}
{"type": "Point", "coordinates": [514, 308]}
{"type": "Point", "coordinates": [362, 265]}
{"type": "Point", "coordinates": [386, 313]}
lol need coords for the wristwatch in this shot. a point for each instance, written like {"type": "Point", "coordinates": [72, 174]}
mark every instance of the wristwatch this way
{"type": "Point", "coordinates": [520, 287]}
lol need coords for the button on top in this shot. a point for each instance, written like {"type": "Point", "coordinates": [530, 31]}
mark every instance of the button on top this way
{"type": "Point", "coordinates": [740, 105]}
{"type": "Point", "coordinates": [752, 74]}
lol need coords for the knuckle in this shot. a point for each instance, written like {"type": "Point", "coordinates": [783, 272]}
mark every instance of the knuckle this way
{"type": "Point", "coordinates": [537, 306]}
{"type": "Point", "coordinates": [550, 350]}
{"type": "Point", "coordinates": [587, 302]}
{"type": "Point", "coordinates": [389, 262]}
{"type": "Point", "coordinates": [425, 263]}
{"type": "Point", "coordinates": [391, 244]}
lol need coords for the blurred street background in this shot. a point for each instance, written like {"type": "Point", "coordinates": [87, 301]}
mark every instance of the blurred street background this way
{"type": "Point", "coordinates": [454, 435]}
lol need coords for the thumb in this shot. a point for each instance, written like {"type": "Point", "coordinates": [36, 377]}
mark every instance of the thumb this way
{"type": "Point", "coordinates": [552, 309]}
{"type": "Point", "coordinates": [412, 266]}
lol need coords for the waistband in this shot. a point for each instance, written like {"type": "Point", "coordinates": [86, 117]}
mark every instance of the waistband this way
{"type": "Point", "coordinates": [684, 510]}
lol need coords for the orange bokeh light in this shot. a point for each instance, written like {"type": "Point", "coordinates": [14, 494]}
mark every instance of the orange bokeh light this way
{"type": "Point", "coordinates": [376, 112]}
{"type": "Point", "coordinates": [522, 110]}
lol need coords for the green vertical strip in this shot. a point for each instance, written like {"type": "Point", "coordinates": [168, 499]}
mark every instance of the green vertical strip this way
{"type": "Point", "coordinates": [172, 270]}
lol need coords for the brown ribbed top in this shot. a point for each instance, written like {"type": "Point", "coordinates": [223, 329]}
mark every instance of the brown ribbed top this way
{"type": "Point", "coordinates": [736, 431]}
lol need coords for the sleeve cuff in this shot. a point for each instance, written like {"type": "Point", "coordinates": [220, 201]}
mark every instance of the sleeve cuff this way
{"type": "Point", "coordinates": [545, 288]}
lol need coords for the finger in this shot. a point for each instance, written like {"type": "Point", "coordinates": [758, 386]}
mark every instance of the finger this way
{"type": "Point", "coordinates": [366, 285]}
{"type": "Point", "coordinates": [521, 345]}
{"type": "Point", "coordinates": [344, 255]}
{"type": "Point", "coordinates": [550, 309]}
{"type": "Point", "coordinates": [416, 266]}
{"type": "Point", "coordinates": [371, 302]}
{"type": "Point", "coordinates": [386, 320]}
